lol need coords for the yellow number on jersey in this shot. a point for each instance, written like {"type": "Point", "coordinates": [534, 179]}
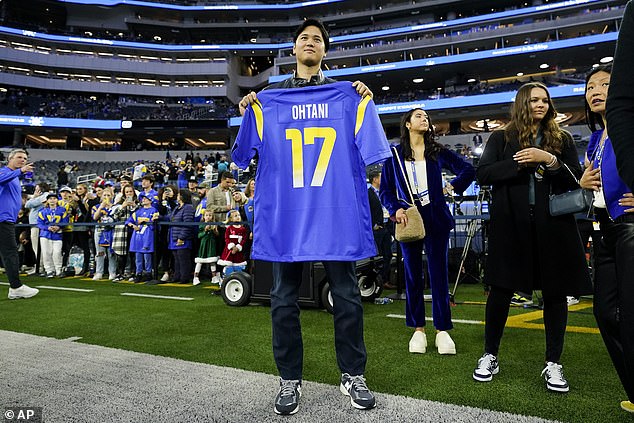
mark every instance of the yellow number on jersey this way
{"type": "Point", "coordinates": [298, 140]}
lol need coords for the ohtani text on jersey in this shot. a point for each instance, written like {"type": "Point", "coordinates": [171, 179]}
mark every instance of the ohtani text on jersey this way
{"type": "Point", "coordinates": [310, 111]}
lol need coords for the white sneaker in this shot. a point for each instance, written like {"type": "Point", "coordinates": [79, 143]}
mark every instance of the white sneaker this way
{"type": "Point", "coordinates": [195, 281]}
{"type": "Point", "coordinates": [487, 367]}
{"type": "Point", "coordinates": [572, 301]}
{"type": "Point", "coordinates": [131, 279]}
{"type": "Point", "coordinates": [22, 292]}
{"type": "Point", "coordinates": [418, 343]}
{"type": "Point", "coordinates": [111, 277]}
{"type": "Point", "coordinates": [98, 276]}
{"type": "Point", "coordinates": [553, 374]}
{"type": "Point", "coordinates": [31, 272]}
{"type": "Point", "coordinates": [165, 277]}
{"type": "Point", "coordinates": [216, 280]}
{"type": "Point", "coordinates": [444, 343]}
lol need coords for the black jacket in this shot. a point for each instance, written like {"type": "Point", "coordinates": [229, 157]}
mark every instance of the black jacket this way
{"type": "Point", "coordinates": [376, 210]}
{"type": "Point", "coordinates": [516, 250]}
{"type": "Point", "coordinates": [620, 104]}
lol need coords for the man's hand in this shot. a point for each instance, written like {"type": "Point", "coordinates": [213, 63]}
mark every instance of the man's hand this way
{"type": "Point", "coordinates": [362, 89]}
{"type": "Point", "coordinates": [27, 168]}
{"type": "Point", "coordinates": [246, 100]}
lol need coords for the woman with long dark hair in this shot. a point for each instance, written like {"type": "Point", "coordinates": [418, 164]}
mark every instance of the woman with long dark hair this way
{"type": "Point", "coordinates": [614, 251]}
{"type": "Point", "coordinates": [528, 248]}
{"type": "Point", "coordinates": [422, 159]}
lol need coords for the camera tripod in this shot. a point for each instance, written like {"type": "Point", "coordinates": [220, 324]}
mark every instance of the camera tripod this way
{"type": "Point", "coordinates": [483, 197]}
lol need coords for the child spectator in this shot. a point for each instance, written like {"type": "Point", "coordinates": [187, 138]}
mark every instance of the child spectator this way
{"type": "Point", "coordinates": [50, 220]}
{"type": "Point", "coordinates": [235, 237]}
{"type": "Point", "coordinates": [121, 212]}
{"type": "Point", "coordinates": [103, 236]}
{"type": "Point", "coordinates": [142, 241]}
{"type": "Point", "coordinates": [207, 250]}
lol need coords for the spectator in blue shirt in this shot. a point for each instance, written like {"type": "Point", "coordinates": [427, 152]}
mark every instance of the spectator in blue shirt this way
{"type": "Point", "coordinates": [10, 204]}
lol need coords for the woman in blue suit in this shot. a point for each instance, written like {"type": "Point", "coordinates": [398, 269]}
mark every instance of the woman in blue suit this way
{"type": "Point", "coordinates": [422, 159]}
{"type": "Point", "coordinates": [614, 251]}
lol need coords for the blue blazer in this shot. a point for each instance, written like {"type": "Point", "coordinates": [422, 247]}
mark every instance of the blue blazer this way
{"type": "Point", "coordinates": [395, 195]}
{"type": "Point", "coordinates": [613, 185]}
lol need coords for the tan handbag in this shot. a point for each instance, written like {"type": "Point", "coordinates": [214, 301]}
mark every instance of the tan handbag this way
{"type": "Point", "coordinates": [415, 229]}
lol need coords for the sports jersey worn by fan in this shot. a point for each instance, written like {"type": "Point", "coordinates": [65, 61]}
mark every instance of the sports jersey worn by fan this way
{"type": "Point", "coordinates": [313, 145]}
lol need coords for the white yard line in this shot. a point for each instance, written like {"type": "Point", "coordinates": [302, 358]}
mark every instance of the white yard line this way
{"type": "Point", "coordinates": [61, 288]}
{"type": "Point", "coordinates": [164, 297]}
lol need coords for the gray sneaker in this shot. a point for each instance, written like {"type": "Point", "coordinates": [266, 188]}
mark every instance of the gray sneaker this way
{"type": "Point", "coordinates": [287, 399]}
{"type": "Point", "coordinates": [357, 390]}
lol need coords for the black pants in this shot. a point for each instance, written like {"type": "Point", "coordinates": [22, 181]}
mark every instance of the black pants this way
{"type": "Point", "coordinates": [9, 253]}
{"type": "Point", "coordinates": [614, 294]}
{"type": "Point", "coordinates": [555, 321]}
{"type": "Point", "coordinates": [383, 241]}
{"type": "Point", "coordinates": [182, 265]}
{"type": "Point", "coordinates": [288, 348]}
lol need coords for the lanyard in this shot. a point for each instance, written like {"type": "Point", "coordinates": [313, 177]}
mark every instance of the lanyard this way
{"type": "Point", "coordinates": [415, 177]}
{"type": "Point", "coordinates": [599, 156]}
{"type": "Point", "coordinates": [423, 197]}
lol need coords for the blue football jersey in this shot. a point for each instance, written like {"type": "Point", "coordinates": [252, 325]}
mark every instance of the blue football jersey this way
{"type": "Point", "coordinates": [311, 198]}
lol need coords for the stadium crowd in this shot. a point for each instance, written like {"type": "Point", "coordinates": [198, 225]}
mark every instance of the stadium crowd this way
{"type": "Point", "coordinates": [32, 102]}
{"type": "Point", "coordinates": [118, 224]}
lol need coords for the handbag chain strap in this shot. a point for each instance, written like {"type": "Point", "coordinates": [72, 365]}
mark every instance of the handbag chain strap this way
{"type": "Point", "coordinates": [409, 189]}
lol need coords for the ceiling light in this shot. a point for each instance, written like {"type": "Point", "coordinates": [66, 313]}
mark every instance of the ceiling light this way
{"type": "Point", "coordinates": [606, 59]}
{"type": "Point", "coordinates": [385, 88]}
{"type": "Point", "coordinates": [543, 66]}
{"type": "Point", "coordinates": [471, 80]}
{"type": "Point", "coordinates": [520, 74]}
{"type": "Point", "coordinates": [417, 80]}
{"type": "Point", "coordinates": [596, 65]}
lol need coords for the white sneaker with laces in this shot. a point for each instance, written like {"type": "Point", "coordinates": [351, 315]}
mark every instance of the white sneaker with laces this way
{"type": "Point", "coordinates": [22, 292]}
{"type": "Point", "coordinates": [98, 276]}
{"type": "Point", "coordinates": [195, 281]}
{"type": "Point", "coordinates": [572, 301]}
{"type": "Point", "coordinates": [418, 343]}
{"type": "Point", "coordinates": [553, 373]}
{"type": "Point", "coordinates": [445, 344]}
{"type": "Point", "coordinates": [165, 277]}
{"type": "Point", "coordinates": [487, 367]}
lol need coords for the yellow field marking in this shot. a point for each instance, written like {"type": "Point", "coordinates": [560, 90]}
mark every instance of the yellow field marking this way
{"type": "Point", "coordinates": [523, 320]}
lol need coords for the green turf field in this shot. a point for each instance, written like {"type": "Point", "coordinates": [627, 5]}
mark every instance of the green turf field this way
{"type": "Point", "coordinates": [206, 330]}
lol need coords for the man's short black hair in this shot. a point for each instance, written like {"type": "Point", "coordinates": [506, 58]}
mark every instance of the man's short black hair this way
{"type": "Point", "coordinates": [226, 175]}
{"type": "Point", "coordinates": [318, 24]}
{"type": "Point", "coordinates": [373, 174]}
